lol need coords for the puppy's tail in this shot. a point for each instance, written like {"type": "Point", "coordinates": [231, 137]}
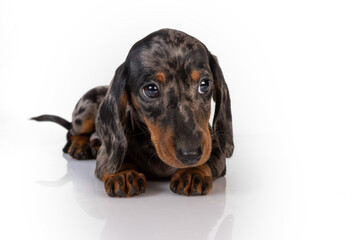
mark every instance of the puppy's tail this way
{"type": "Point", "coordinates": [53, 118]}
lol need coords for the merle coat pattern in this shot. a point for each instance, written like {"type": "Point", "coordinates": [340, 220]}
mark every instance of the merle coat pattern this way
{"type": "Point", "coordinates": [152, 122]}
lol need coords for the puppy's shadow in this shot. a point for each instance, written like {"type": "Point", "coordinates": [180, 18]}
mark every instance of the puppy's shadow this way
{"type": "Point", "coordinates": [157, 214]}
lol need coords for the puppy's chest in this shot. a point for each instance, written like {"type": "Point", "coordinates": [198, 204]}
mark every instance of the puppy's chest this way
{"type": "Point", "coordinates": [142, 152]}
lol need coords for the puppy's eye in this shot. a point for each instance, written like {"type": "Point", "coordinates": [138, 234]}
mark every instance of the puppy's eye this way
{"type": "Point", "coordinates": [151, 91]}
{"type": "Point", "coordinates": [204, 86]}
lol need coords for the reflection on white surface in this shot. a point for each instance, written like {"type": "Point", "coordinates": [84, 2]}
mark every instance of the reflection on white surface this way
{"type": "Point", "coordinates": [157, 214]}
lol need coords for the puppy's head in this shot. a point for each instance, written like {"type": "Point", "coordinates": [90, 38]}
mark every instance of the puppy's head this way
{"type": "Point", "coordinates": [169, 79]}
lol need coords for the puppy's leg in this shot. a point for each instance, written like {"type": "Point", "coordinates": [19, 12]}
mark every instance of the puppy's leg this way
{"type": "Point", "coordinates": [217, 160]}
{"type": "Point", "coordinates": [83, 142]}
{"type": "Point", "coordinates": [79, 140]}
{"type": "Point", "coordinates": [127, 182]}
{"type": "Point", "coordinates": [192, 181]}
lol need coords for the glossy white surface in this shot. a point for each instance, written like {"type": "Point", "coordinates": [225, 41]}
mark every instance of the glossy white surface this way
{"type": "Point", "coordinates": [293, 73]}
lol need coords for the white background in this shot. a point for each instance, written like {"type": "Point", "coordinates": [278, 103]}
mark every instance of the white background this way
{"type": "Point", "coordinates": [293, 72]}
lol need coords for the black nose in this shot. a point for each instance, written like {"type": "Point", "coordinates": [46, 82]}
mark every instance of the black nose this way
{"type": "Point", "coordinates": [189, 157]}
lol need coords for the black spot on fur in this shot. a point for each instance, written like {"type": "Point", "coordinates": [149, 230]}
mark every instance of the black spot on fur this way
{"type": "Point", "coordinates": [81, 110]}
{"type": "Point", "coordinates": [78, 122]}
{"type": "Point", "coordinates": [153, 111]}
{"type": "Point", "coordinates": [105, 112]}
{"type": "Point", "coordinates": [189, 45]}
{"type": "Point", "coordinates": [173, 102]}
{"type": "Point", "coordinates": [190, 114]}
{"type": "Point", "coordinates": [93, 94]}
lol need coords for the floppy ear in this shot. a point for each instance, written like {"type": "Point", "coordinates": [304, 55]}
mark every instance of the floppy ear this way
{"type": "Point", "coordinates": [222, 124]}
{"type": "Point", "coordinates": [110, 121]}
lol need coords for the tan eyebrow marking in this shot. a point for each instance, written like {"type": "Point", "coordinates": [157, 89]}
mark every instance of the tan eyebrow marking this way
{"type": "Point", "coordinates": [195, 75]}
{"type": "Point", "coordinates": [160, 76]}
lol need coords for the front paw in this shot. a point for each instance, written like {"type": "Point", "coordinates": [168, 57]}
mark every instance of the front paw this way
{"type": "Point", "coordinates": [125, 183]}
{"type": "Point", "coordinates": [191, 181]}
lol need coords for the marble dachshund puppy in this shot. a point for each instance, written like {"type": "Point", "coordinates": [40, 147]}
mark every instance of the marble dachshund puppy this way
{"type": "Point", "coordinates": [152, 122]}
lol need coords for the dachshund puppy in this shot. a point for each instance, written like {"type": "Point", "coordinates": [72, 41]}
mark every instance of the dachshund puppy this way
{"type": "Point", "coordinates": [152, 122]}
